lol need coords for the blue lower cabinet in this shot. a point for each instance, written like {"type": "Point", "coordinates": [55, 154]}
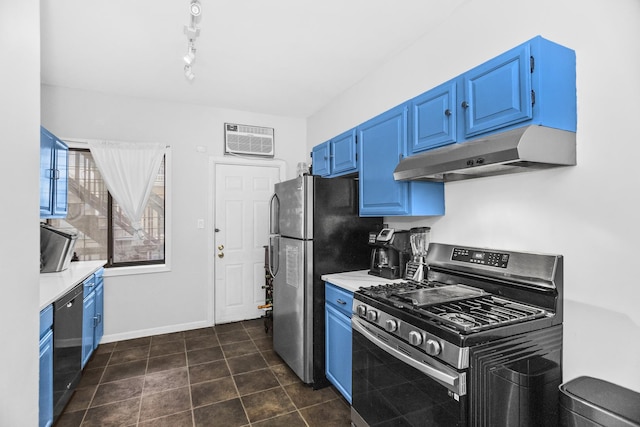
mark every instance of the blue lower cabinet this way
{"type": "Point", "coordinates": [45, 418]}
{"type": "Point", "coordinates": [92, 316]}
{"type": "Point", "coordinates": [99, 328]}
{"type": "Point", "coordinates": [338, 338]}
{"type": "Point", "coordinates": [88, 328]}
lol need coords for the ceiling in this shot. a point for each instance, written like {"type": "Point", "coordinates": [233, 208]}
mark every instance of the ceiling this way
{"type": "Point", "coordinates": [282, 57]}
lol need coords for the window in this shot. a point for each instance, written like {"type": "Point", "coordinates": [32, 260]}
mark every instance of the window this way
{"type": "Point", "coordinates": [104, 231]}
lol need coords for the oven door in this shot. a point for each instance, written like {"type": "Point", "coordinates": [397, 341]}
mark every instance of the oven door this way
{"type": "Point", "coordinates": [397, 385]}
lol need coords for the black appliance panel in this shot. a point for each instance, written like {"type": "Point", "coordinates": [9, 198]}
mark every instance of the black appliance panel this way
{"type": "Point", "coordinates": [67, 347]}
{"type": "Point", "coordinates": [387, 392]}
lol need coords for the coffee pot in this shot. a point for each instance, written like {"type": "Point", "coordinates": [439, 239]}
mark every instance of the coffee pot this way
{"type": "Point", "coordinates": [390, 252]}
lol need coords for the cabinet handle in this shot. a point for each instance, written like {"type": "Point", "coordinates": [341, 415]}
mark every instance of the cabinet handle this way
{"type": "Point", "coordinates": [447, 112]}
{"type": "Point", "coordinates": [56, 174]}
{"type": "Point", "coordinates": [339, 301]}
{"type": "Point", "coordinates": [464, 104]}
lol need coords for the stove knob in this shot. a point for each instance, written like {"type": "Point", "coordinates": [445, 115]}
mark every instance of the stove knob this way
{"type": "Point", "coordinates": [362, 310]}
{"type": "Point", "coordinates": [415, 338]}
{"type": "Point", "coordinates": [372, 315]}
{"type": "Point", "coordinates": [433, 347]}
{"type": "Point", "coordinates": [391, 325]}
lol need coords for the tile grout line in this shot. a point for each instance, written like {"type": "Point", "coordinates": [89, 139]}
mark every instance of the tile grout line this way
{"type": "Point", "coordinates": [144, 381]}
{"type": "Point", "coordinates": [186, 355]}
{"type": "Point", "coordinates": [104, 370]}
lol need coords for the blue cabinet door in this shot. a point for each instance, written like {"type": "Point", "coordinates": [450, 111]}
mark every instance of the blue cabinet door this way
{"type": "Point", "coordinates": [99, 328]}
{"type": "Point", "coordinates": [61, 178]}
{"type": "Point", "coordinates": [46, 380]}
{"type": "Point", "coordinates": [498, 92]}
{"type": "Point", "coordinates": [88, 326]}
{"type": "Point", "coordinates": [47, 144]}
{"type": "Point", "coordinates": [54, 159]}
{"type": "Point", "coordinates": [343, 153]}
{"type": "Point", "coordinates": [46, 367]}
{"type": "Point", "coordinates": [338, 350]}
{"type": "Point", "coordinates": [321, 159]}
{"type": "Point", "coordinates": [434, 116]}
{"type": "Point", "coordinates": [382, 143]}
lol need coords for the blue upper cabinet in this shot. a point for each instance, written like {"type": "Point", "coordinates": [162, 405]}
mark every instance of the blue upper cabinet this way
{"type": "Point", "coordinates": [533, 83]}
{"type": "Point", "coordinates": [498, 92]}
{"type": "Point", "coordinates": [54, 155]}
{"type": "Point", "coordinates": [434, 118]}
{"type": "Point", "coordinates": [344, 157]}
{"type": "Point", "coordinates": [382, 142]}
{"type": "Point", "coordinates": [321, 157]}
{"type": "Point", "coordinates": [336, 157]}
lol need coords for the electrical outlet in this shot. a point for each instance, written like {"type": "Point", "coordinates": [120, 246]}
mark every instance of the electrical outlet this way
{"type": "Point", "coordinates": [200, 223]}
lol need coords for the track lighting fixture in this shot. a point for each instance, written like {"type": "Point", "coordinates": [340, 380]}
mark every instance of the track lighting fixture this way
{"type": "Point", "coordinates": [188, 73]}
{"type": "Point", "coordinates": [190, 57]}
{"type": "Point", "coordinates": [192, 30]}
{"type": "Point", "coordinates": [195, 8]}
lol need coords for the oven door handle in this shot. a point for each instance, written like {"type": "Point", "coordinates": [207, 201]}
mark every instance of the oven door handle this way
{"type": "Point", "coordinates": [454, 381]}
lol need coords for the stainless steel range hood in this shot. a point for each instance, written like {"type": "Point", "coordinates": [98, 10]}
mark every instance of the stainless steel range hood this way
{"type": "Point", "coordinates": [523, 149]}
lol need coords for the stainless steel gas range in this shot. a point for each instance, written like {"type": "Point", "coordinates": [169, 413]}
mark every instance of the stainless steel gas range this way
{"type": "Point", "coordinates": [478, 342]}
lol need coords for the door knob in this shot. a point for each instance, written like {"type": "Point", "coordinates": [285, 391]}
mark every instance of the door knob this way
{"type": "Point", "coordinates": [220, 254]}
{"type": "Point", "coordinates": [220, 247]}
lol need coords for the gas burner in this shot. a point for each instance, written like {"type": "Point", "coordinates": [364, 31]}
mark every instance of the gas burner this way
{"type": "Point", "coordinates": [387, 291]}
{"type": "Point", "coordinates": [459, 318]}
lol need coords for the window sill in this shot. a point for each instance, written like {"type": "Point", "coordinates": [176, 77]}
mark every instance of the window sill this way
{"type": "Point", "coordinates": [137, 269]}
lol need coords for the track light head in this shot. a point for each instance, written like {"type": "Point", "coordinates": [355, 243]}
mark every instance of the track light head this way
{"type": "Point", "coordinates": [188, 73]}
{"type": "Point", "coordinates": [195, 8]}
{"type": "Point", "coordinates": [190, 57]}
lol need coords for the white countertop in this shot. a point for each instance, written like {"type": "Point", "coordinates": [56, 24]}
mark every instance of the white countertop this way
{"type": "Point", "coordinates": [55, 285]}
{"type": "Point", "coordinates": [354, 280]}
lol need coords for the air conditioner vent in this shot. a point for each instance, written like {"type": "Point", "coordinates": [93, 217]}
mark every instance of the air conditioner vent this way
{"type": "Point", "coordinates": [248, 140]}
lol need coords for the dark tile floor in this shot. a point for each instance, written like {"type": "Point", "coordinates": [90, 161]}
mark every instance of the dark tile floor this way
{"type": "Point", "coordinates": [227, 375]}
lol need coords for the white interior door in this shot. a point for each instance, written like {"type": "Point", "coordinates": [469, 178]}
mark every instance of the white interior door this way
{"type": "Point", "coordinates": [241, 221]}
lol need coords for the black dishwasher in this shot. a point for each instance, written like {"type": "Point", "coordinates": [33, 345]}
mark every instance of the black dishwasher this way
{"type": "Point", "coordinates": [67, 347]}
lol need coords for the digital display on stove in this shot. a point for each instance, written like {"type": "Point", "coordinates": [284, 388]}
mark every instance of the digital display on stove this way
{"type": "Point", "coordinates": [492, 259]}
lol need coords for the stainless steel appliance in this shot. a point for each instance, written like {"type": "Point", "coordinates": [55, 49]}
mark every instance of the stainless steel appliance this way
{"type": "Point", "coordinates": [56, 248]}
{"type": "Point", "coordinates": [67, 347]}
{"type": "Point", "coordinates": [477, 343]}
{"type": "Point", "coordinates": [315, 230]}
{"type": "Point", "coordinates": [390, 253]}
{"type": "Point", "coordinates": [527, 148]}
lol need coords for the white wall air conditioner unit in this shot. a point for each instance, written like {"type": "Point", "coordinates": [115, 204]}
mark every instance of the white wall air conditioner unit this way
{"type": "Point", "coordinates": [248, 140]}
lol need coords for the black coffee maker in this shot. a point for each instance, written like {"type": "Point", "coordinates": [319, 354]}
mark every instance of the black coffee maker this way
{"type": "Point", "coordinates": [391, 249]}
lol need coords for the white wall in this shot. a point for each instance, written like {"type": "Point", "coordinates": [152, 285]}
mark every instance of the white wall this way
{"type": "Point", "coordinates": [146, 304]}
{"type": "Point", "coordinates": [20, 240]}
{"type": "Point", "coordinates": [588, 213]}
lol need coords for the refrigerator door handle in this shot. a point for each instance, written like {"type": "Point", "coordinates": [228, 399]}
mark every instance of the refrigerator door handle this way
{"type": "Point", "coordinates": [274, 214]}
{"type": "Point", "coordinates": [270, 253]}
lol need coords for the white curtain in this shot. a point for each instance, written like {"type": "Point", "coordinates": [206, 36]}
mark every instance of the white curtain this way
{"type": "Point", "coordinates": [129, 170]}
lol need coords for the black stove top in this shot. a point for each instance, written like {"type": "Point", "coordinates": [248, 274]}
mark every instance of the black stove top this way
{"type": "Point", "coordinates": [459, 307]}
{"type": "Point", "coordinates": [472, 295]}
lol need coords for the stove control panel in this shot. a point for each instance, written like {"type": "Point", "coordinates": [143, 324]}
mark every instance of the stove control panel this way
{"type": "Point", "coordinates": [473, 256]}
{"type": "Point", "coordinates": [416, 337]}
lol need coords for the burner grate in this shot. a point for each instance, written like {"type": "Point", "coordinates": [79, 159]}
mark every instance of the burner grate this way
{"type": "Point", "coordinates": [481, 313]}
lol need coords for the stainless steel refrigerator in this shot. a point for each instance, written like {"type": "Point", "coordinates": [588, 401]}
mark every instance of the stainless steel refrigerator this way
{"type": "Point", "coordinates": [315, 230]}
